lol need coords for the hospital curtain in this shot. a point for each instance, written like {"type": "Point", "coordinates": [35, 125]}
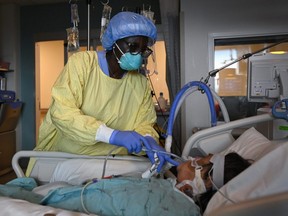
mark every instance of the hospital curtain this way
{"type": "Point", "coordinates": [170, 20]}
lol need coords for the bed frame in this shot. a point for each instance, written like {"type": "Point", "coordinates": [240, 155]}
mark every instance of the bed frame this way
{"type": "Point", "coordinates": [221, 135]}
{"type": "Point", "coordinates": [216, 139]}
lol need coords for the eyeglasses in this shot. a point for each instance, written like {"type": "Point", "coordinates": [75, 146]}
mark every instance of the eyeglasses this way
{"type": "Point", "coordinates": [134, 49]}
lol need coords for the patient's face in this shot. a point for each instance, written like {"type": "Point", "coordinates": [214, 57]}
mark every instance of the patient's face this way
{"type": "Point", "coordinates": [185, 171]}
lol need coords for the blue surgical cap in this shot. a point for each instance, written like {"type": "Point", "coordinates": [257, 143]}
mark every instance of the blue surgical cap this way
{"type": "Point", "coordinates": [127, 24]}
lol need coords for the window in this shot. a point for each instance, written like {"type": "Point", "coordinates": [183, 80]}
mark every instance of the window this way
{"type": "Point", "coordinates": [231, 82]}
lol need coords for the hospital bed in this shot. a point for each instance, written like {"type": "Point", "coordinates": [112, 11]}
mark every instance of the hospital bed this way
{"type": "Point", "coordinates": [259, 190]}
{"type": "Point", "coordinates": [261, 194]}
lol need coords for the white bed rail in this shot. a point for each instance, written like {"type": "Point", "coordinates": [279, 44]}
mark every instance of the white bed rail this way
{"type": "Point", "coordinates": [219, 131]}
{"type": "Point", "coordinates": [56, 157]}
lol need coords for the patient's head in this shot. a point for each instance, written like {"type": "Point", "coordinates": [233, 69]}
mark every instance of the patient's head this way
{"type": "Point", "coordinates": [189, 172]}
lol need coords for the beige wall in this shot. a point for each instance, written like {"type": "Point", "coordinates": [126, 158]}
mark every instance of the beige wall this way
{"type": "Point", "coordinates": [159, 79]}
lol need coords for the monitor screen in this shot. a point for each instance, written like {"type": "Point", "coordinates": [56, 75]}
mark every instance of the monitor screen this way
{"type": "Point", "coordinates": [267, 77]}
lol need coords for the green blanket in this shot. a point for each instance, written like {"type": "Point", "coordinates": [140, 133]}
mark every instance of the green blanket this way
{"type": "Point", "coordinates": [116, 196]}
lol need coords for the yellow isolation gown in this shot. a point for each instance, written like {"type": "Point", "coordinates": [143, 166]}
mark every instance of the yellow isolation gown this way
{"type": "Point", "coordinates": [83, 98]}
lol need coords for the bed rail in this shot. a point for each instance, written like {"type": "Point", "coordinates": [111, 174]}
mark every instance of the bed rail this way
{"type": "Point", "coordinates": [56, 157]}
{"type": "Point", "coordinates": [219, 134]}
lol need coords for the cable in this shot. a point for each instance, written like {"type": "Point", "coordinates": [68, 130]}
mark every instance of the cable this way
{"type": "Point", "coordinates": [106, 159]}
{"type": "Point", "coordinates": [81, 196]}
{"type": "Point", "coordinates": [95, 180]}
{"type": "Point", "coordinates": [243, 57]}
{"type": "Point", "coordinates": [226, 197]}
{"type": "Point", "coordinates": [163, 152]}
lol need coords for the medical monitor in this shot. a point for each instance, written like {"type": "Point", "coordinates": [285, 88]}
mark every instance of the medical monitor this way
{"type": "Point", "coordinates": [267, 77]}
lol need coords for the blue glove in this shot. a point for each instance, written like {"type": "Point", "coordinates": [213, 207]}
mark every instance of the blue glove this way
{"type": "Point", "coordinates": [131, 140]}
{"type": "Point", "coordinates": [151, 144]}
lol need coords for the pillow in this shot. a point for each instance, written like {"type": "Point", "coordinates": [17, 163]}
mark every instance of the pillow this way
{"type": "Point", "coordinates": [79, 171]}
{"type": "Point", "coordinates": [264, 177]}
{"type": "Point", "coordinates": [267, 176]}
{"type": "Point", "coordinates": [44, 189]}
{"type": "Point", "coordinates": [251, 145]}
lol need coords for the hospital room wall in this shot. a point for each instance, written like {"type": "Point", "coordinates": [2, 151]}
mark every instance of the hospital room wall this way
{"type": "Point", "coordinates": [9, 52]}
{"type": "Point", "coordinates": [200, 22]}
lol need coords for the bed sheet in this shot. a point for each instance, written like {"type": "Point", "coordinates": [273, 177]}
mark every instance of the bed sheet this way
{"type": "Point", "coordinates": [115, 196]}
{"type": "Point", "coordinates": [10, 206]}
{"type": "Point", "coordinates": [77, 171]}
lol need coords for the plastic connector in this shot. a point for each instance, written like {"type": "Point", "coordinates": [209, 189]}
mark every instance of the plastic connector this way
{"type": "Point", "coordinates": [153, 169]}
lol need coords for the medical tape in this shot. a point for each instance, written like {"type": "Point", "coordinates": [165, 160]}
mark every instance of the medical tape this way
{"type": "Point", "coordinates": [184, 182]}
{"type": "Point", "coordinates": [194, 161]}
{"type": "Point", "coordinates": [197, 184]}
{"type": "Point", "coordinates": [218, 161]}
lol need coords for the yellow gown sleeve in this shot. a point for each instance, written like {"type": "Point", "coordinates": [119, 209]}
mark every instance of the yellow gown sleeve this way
{"type": "Point", "coordinates": [67, 96]}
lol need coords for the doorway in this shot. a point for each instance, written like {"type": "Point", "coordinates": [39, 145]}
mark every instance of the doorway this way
{"type": "Point", "coordinates": [49, 61]}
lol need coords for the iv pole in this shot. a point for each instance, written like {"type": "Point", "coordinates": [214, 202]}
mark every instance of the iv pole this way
{"type": "Point", "coordinates": [88, 27]}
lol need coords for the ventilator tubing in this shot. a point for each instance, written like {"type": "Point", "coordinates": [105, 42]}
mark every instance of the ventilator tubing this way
{"type": "Point", "coordinates": [181, 95]}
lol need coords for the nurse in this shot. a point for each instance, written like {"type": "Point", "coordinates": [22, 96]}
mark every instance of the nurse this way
{"type": "Point", "coordinates": [100, 100]}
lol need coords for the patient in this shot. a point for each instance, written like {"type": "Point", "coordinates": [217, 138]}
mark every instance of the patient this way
{"type": "Point", "coordinates": [200, 178]}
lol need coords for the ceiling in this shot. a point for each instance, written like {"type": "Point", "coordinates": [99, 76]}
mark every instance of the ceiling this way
{"type": "Point", "coordinates": [30, 2]}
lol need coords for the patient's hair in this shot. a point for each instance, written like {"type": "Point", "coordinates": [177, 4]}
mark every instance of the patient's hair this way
{"type": "Point", "coordinates": [234, 164]}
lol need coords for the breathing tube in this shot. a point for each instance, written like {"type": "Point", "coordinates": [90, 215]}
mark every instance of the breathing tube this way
{"type": "Point", "coordinates": [184, 91]}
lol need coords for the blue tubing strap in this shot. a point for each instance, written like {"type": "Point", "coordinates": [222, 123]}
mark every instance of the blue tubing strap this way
{"type": "Point", "coordinates": [201, 86]}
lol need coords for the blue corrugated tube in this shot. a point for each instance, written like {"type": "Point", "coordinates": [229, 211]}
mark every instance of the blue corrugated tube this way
{"type": "Point", "coordinates": [200, 86]}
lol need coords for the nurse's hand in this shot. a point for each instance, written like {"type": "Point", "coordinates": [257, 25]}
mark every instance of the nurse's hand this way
{"type": "Point", "coordinates": [131, 140]}
{"type": "Point", "coordinates": [151, 144]}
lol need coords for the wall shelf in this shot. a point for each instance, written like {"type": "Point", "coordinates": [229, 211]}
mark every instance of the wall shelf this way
{"type": "Point", "coordinates": [5, 71]}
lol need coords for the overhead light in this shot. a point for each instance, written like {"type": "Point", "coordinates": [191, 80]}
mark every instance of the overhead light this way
{"type": "Point", "coordinates": [278, 52]}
